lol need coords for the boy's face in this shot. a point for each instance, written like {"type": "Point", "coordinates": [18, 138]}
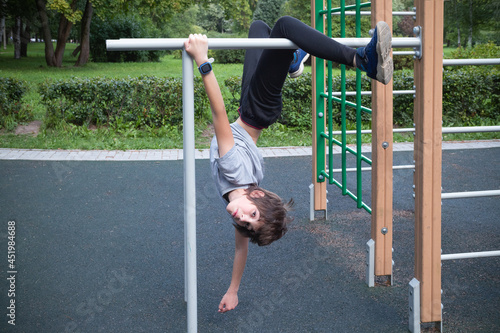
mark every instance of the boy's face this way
{"type": "Point", "coordinates": [244, 212]}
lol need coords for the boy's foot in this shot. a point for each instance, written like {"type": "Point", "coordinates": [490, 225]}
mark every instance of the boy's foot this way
{"type": "Point", "coordinates": [375, 58]}
{"type": "Point", "coordinates": [297, 65]}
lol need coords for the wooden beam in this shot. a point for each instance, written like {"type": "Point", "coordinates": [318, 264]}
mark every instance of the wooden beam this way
{"type": "Point", "coordinates": [428, 158]}
{"type": "Point", "coordinates": [382, 158]}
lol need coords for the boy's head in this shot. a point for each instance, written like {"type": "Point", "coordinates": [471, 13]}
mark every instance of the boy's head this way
{"type": "Point", "coordinates": [271, 215]}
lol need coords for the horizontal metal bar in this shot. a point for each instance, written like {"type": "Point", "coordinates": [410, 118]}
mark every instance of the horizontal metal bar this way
{"type": "Point", "coordinates": [445, 130]}
{"type": "Point", "coordinates": [368, 93]}
{"type": "Point", "coordinates": [351, 104]}
{"type": "Point", "coordinates": [471, 129]}
{"type": "Point", "coordinates": [133, 44]}
{"type": "Point", "coordinates": [468, 255]}
{"type": "Point", "coordinates": [366, 13]}
{"type": "Point", "coordinates": [339, 9]}
{"type": "Point", "coordinates": [471, 62]}
{"type": "Point", "coordinates": [401, 53]}
{"type": "Point", "coordinates": [470, 194]}
{"type": "Point", "coordinates": [129, 44]}
{"type": "Point", "coordinates": [395, 167]}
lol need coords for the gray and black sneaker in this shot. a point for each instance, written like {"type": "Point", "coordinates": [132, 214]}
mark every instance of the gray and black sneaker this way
{"type": "Point", "coordinates": [375, 58]}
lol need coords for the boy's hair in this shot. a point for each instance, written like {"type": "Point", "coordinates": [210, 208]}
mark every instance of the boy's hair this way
{"type": "Point", "coordinates": [273, 212]}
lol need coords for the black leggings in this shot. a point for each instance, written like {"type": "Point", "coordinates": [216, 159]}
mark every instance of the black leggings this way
{"type": "Point", "coordinates": [265, 70]}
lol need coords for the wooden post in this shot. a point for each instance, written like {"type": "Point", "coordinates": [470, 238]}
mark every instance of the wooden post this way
{"type": "Point", "coordinates": [382, 144]}
{"type": "Point", "coordinates": [428, 123]}
{"type": "Point", "coordinates": [319, 188]}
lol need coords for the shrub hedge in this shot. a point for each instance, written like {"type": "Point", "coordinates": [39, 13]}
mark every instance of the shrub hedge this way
{"type": "Point", "coordinates": [144, 101]}
{"type": "Point", "coordinates": [12, 110]}
{"type": "Point", "coordinates": [468, 94]}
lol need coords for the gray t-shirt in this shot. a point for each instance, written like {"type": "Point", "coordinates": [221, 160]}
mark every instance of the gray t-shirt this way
{"type": "Point", "coordinates": [239, 167]}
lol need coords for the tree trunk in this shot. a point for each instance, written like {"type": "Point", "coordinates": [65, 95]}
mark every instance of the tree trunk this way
{"type": "Point", "coordinates": [85, 35]}
{"type": "Point", "coordinates": [47, 37]}
{"type": "Point", "coordinates": [469, 43]}
{"type": "Point", "coordinates": [25, 39]}
{"type": "Point", "coordinates": [62, 36]}
{"type": "Point", "coordinates": [17, 38]}
{"type": "Point", "coordinates": [2, 29]}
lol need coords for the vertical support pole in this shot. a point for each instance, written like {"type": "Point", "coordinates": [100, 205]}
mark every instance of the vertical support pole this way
{"type": "Point", "coordinates": [428, 159]}
{"type": "Point", "coordinates": [382, 159]}
{"type": "Point", "coordinates": [414, 306]}
{"type": "Point", "coordinates": [318, 105]}
{"type": "Point", "coordinates": [370, 263]}
{"type": "Point", "coordinates": [191, 293]}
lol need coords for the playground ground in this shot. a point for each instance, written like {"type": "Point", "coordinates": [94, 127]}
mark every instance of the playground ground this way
{"type": "Point", "coordinates": [99, 248]}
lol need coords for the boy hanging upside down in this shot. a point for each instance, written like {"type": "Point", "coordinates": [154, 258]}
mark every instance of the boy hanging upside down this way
{"type": "Point", "coordinates": [260, 216]}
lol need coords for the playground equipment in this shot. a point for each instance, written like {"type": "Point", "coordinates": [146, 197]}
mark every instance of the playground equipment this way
{"type": "Point", "coordinates": [425, 289]}
{"type": "Point", "coordinates": [379, 258]}
{"type": "Point", "coordinates": [130, 44]}
{"type": "Point", "coordinates": [425, 293]}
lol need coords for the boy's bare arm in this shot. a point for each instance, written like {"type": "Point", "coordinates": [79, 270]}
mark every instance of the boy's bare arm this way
{"type": "Point", "coordinates": [197, 47]}
{"type": "Point", "coordinates": [230, 299]}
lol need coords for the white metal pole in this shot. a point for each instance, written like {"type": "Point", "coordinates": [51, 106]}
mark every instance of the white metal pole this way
{"type": "Point", "coordinates": [189, 193]}
{"type": "Point", "coordinates": [128, 44]}
{"type": "Point", "coordinates": [468, 255]}
{"type": "Point", "coordinates": [470, 194]}
{"type": "Point", "coordinates": [471, 62]}
{"type": "Point", "coordinates": [134, 44]}
{"type": "Point", "coordinates": [447, 130]}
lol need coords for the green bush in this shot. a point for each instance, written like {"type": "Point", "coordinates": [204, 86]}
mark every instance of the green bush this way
{"type": "Point", "coordinates": [479, 51]}
{"type": "Point", "coordinates": [403, 104]}
{"type": "Point", "coordinates": [488, 50]}
{"type": "Point", "coordinates": [143, 101]}
{"type": "Point", "coordinates": [233, 85]}
{"type": "Point", "coordinates": [469, 93]}
{"type": "Point", "coordinates": [402, 62]}
{"type": "Point", "coordinates": [227, 56]}
{"type": "Point", "coordinates": [12, 111]}
{"type": "Point", "coordinates": [130, 26]}
{"type": "Point", "coordinates": [297, 101]}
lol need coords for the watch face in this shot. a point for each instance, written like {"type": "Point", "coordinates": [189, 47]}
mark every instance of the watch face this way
{"type": "Point", "coordinates": [205, 68]}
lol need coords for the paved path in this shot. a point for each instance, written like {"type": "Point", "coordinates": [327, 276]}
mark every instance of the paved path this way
{"type": "Point", "coordinates": [177, 154]}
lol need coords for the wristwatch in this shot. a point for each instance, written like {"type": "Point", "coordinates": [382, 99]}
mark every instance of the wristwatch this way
{"type": "Point", "coordinates": [206, 67]}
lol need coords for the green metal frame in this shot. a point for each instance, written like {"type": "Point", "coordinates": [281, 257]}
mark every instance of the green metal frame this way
{"type": "Point", "coordinates": [323, 136]}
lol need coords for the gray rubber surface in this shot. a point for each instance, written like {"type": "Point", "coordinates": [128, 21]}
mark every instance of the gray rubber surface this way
{"type": "Point", "coordinates": [99, 248]}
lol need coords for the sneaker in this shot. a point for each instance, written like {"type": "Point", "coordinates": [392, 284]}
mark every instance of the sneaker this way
{"type": "Point", "coordinates": [297, 65]}
{"type": "Point", "coordinates": [375, 58]}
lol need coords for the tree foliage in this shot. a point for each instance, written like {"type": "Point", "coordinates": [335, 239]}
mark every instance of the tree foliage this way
{"type": "Point", "coordinates": [299, 9]}
{"type": "Point", "coordinates": [238, 11]}
{"type": "Point", "coordinates": [268, 11]}
{"type": "Point", "coordinates": [66, 9]}
{"type": "Point", "coordinates": [468, 22]}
